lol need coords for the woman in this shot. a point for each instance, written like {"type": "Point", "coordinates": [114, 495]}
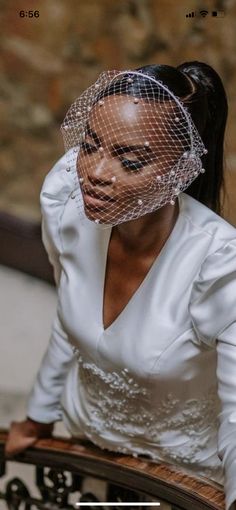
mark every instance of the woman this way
{"type": "Point", "coordinates": [141, 357]}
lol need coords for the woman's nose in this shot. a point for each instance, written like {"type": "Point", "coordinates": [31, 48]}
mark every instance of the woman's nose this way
{"type": "Point", "coordinates": [101, 171]}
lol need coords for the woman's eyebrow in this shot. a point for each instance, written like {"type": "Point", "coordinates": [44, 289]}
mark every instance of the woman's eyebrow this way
{"type": "Point", "coordinates": [121, 149]}
{"type": "Point", "coordinates": [93, 135]}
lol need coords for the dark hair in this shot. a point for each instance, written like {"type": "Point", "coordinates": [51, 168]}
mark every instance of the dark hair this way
{"type": "Point", "coordinates": [208, 107]}
{"type": "Point", "coordinates": [201, 90]}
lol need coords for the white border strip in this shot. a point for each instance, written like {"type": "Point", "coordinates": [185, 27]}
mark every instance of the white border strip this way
{"type": "Point", "coordinates": [117, 503]}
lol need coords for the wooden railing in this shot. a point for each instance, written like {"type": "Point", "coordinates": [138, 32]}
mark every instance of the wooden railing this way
{"type": "Point", "coordinates": [128, 479]}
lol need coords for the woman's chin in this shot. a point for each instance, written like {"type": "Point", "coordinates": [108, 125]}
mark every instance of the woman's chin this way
{"type": "Point", "coordinates": [98, 216]}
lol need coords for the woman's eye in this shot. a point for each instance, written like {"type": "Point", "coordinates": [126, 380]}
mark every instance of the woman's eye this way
{"type": "Point", "coordinates": [132, 165]}
{"type": "Point", "coordinates": [88, 147]}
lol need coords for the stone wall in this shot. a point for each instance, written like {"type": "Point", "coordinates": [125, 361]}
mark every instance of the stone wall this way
{"type": "Point", "coordinates": [48, 60]}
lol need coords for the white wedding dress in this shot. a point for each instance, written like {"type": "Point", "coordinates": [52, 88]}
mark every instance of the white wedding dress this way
{"type": "Point", "coordinates": [161, 379]}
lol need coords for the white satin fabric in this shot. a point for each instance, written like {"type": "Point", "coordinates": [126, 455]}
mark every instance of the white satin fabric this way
{"type": "Point", "coordinates": [160, 380]}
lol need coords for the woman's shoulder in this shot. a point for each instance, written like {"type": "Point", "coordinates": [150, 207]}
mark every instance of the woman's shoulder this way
{"type": "Point", "coordinates": [58, 183]}
{"type": "Point", "coordinates": [207, 222]}
{"type": "Point", "coordinates": [58, 188]}
{"type": "Point", "coordinates": [212, 300]}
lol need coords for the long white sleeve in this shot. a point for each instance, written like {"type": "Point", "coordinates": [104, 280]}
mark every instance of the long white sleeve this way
{"type": "Point", "coordinates": [226, 373]}
{"type": "Point", "coordinates": [214, 316]}
{"type": "Point", "coordinates": [44, 401]}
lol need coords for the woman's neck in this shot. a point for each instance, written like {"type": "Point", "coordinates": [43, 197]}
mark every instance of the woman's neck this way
{"type": "Point", "coordinates": [149, 232]}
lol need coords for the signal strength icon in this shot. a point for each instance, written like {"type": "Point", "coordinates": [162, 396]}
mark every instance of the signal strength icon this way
{"type": "Point", "coordinates": [190, 15]}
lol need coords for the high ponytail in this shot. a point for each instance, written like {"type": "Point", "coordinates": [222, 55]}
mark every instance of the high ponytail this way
{"type": "Point", "coordinates": [209, 109]}
{"type": "Point", "coordinates": [201, 91]}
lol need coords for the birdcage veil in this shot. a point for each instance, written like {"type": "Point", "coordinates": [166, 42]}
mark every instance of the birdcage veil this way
{"type": "Point", "coordinates": [158, 158]}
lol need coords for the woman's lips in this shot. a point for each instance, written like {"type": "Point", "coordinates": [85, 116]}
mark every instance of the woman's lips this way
{"type": "Point", "coordinates": [94, 198]}
{"type": "Point", "coordinates": [89, 200]}
{"type": "Point", "coordinates": [95, 201]}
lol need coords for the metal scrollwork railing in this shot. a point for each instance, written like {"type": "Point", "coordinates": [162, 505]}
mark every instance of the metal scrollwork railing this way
{"type": "Point", "coordinates": [62, 467]}
{"type": "Point", "coordinates": [58, 491]}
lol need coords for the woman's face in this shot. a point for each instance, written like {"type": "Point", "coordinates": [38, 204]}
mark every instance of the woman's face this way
{"type": "Point", "coordinates": [128, 146]}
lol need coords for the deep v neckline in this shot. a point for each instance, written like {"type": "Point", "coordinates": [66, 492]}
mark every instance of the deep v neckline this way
{"type": "Point", "coordinates": [145, 279]}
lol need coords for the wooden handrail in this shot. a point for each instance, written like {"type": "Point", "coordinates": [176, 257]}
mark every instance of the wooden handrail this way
{"type": "Point", "coordinates": [167, 482]}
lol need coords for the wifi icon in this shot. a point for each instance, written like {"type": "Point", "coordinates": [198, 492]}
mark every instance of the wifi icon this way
{"type": "Point", "coordinates": [203, 13]}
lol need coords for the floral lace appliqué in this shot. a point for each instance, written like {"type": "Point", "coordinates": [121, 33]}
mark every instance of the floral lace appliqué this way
{"type": "Point", "coordinates": [120, 404]}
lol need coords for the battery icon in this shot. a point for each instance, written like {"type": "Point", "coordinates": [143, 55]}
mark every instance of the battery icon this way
{"type": "Point", "coordinates": [218, 14]}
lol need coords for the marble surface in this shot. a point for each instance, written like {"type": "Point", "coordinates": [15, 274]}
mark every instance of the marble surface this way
{"type": "Point", "coordinates": [27, 308]}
